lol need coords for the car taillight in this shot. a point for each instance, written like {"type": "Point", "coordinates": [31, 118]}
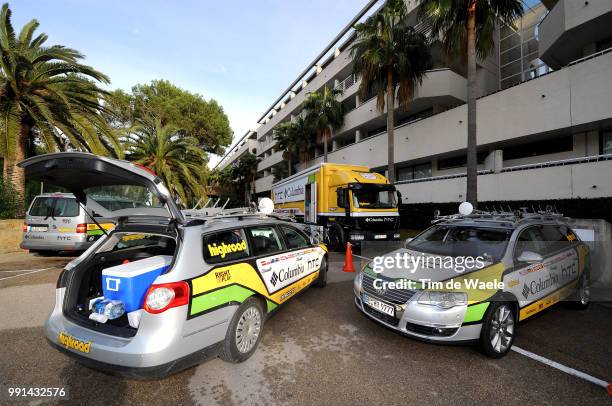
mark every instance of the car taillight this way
{"type": "Point", "coordinates": [25, 227]}
{"type": "Point", "coordinates": [164, 296]}
{"type": "Point", "coordinates": [81, 228]}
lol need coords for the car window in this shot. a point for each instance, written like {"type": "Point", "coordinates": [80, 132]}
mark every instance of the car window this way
{"type": "Point", "coordinates": [66, 208]}
{"type": "Point", "coordinates": [265, 240]}
{"type": "Point", "coordinates": [41, 206]}
{"type": "Point", "coordinates": [555, 241]}
{"type": "Point", "coordinates": [530, 239]}
{"type": "Point", "coordinates": [294, 238]}
{"type": "Point", "coordinates": [224, 246]}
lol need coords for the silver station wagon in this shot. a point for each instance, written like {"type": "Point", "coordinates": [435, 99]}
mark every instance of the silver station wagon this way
{"type": "Point", "coordinates": [161, 291]}
{"type": "Point", "coordinates": [522, 263]}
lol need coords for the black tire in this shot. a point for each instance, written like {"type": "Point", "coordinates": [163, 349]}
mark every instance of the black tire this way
{"type": "Point", "coordinates": [581, 298]}
{"type": "Point", "coordinates": [337, 241]}
{"type": "Point", "coordinates": [233, 349]}
{"type": "Point", "coordinates": [496, 339]}
{"type": "Point", "coordinates": [321, 281]}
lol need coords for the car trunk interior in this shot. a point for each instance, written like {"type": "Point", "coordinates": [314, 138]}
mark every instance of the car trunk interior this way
{"type": "Point", "coordinates": [86, 281]}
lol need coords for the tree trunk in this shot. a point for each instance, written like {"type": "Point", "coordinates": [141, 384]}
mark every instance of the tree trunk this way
{"type": "Point", "coordinates": [390, 126]}
{"type": "Point", "coordinates": [16, 175]}
{"type": "Point", "coordinates": [472, 160]}
{"type": "Point", "coordinates": [289, 166]}
{"type": "Point", "coordinates": [325, 145]}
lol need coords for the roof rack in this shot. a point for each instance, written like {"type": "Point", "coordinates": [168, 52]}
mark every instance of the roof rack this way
{"type": "Point", "coordinates": [238, 212]}
{"type": "Point", "coordinates": [501, 215]}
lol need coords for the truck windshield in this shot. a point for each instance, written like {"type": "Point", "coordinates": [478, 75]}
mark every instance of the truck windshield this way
{"type": "Point", "coordinates": [462, 241]}
{"type": "Point", "coordinates": [373, 198]}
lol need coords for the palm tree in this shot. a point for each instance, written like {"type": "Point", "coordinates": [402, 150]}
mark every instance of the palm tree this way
{"type": "Point", "coordinates": [245, 172]}
{"type": "Point", "coordinates": [295, 139]}
{"type": "Point", "coordinates": [388, 55]}
{"type": "Point", "coordinates": [47, 99]}
{"type": "Point", "coordinates": [325, 114]}
{"type": "Point", "coordinates": [467, 27]}
{"type": "Point", "coordinates": [178, 161]}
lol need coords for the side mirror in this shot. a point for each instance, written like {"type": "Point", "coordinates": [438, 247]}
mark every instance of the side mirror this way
{"type": "Point", "coordinates": [530, 257]}
{"type": "Point", "coordinates": [407, 242]}
{"type": "Point", "coordinates": [399, 197]}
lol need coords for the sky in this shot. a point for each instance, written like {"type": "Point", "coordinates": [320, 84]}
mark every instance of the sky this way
{"type": "Point", "coordinates": [241, 53]}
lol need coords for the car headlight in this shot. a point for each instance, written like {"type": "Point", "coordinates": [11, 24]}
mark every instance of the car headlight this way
{"type": "Point", "coordinates": [396, 235]}
{"type": "Point", "coordinates": [443, 300]}
{"type": "Point", "coordinates": [357, 237]}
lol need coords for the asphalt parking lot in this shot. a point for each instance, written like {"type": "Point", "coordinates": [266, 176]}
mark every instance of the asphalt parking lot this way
{"type": "Point", "coordinates": [318, 349]}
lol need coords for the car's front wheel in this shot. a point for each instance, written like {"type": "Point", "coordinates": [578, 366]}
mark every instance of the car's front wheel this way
{"type": "Point", "coordinates": [498, 330]}
{"type": "Point", "coordinates": [244, 332]}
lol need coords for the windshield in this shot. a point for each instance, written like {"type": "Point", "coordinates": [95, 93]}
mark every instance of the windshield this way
{"type": "Point", "coordinates": [54, 207]}
{"type": "Point", "coordinates": [466, 241]}
{"type": "Point", "coordinates": [372, 198]}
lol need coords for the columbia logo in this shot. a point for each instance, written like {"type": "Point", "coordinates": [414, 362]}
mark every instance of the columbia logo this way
{"type": "Point", "coordinates": [525, 291]}
{"type": "Point", "coordinates": [274, 279]}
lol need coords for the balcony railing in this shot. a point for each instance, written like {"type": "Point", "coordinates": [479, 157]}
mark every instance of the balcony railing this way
{"type": "Point", "coordinates": [346, 83]}
{"type": "Point", "coordinates": [562, 162]}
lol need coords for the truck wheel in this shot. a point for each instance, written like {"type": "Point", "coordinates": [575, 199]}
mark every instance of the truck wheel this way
{"type": "Point", "coordinates": [498, 330]}
{"type": "Point", "coordinates": [336, 237]}
{"type": "Point", "coordinates": [321, 281]}
{"type": "Point", "coordinates": [244, 332]}
{"type": "Point", "coordinates": [582, 297]}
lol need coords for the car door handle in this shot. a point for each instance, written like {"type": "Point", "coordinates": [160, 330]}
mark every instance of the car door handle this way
{"type": "Point", "coordinates": [299, 258]}
{"type": "Point", "coordinates": [266, 269]}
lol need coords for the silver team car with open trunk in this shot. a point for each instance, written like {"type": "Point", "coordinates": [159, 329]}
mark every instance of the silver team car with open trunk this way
{"type": "Point", "coordinates": [537, 258]}
{"type": "Point", "coordinates": [189, 288]}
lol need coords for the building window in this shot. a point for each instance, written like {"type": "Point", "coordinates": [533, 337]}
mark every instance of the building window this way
{"type": "Point", "coordinates": [532, 149]}
{"type": "Point", "coordinates": [606, 142]}
{"type": "Point", "coordinates": [459, 161]}
{"type": "Point", "coordinates": [414, 172]}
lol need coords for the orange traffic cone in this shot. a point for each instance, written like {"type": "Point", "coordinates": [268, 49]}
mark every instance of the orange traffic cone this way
{"type": "Point", "coordinates": [348, 260]}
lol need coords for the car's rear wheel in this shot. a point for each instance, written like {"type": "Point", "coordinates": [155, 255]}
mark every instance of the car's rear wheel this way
{"type": "Point", "coordinates": [498, 329]}
{"type": "Point", "coordinates": [321, 281]}
{"type": "Point", "coordinates": [244, 332]}
{"type": "Point", "coordinates": [582, 297]}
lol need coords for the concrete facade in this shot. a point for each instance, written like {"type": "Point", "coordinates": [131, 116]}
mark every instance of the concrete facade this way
{"type": "Point", "coordinates": [541, 135]}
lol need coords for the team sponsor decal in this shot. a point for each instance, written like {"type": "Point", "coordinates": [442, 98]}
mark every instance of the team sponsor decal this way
{"type": "Point", "coordinates": [380, 219]}
{"type": "Point", "coordinates": [280, 271]}
{"type": "Point", "coordinates": [69, 341]}
{"type": "Point", "coordinates": [224, 249]}
{"type": "Point", "coordinates": [290, 192]}
{"type": "Point", "coordinates": [223, 276]}
{"type": "Point", "coordinates": [534, 287]}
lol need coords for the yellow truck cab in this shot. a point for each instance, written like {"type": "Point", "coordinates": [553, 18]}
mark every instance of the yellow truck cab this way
{"type": "Point", "coordinates": [353, 203]}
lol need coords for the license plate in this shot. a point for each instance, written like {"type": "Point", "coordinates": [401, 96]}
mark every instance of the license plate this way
{"type": "Point", "coordinates": [39, 229]}
{"type": "Point", "coordinates": [380, 236]}
{"type": "Point", "coordinates": [378, 305]}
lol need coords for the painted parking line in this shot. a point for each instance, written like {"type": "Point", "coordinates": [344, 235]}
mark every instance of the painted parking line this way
{"type": "Point", "coordinates": [566, 369]}
{"type": "Point", "coordinates": [26, 272]}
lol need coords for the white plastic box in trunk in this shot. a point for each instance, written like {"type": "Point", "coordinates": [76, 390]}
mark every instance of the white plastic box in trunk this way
{"type": "Point", "coordinates": [129, 282]}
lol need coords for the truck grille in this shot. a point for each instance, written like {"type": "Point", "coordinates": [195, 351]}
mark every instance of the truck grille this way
{"type": "Point", "coordinates": [397, 296]}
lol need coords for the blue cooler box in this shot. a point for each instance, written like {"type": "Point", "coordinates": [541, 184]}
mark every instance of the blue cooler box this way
{"type": "Point", "coordinates": [130, 282]}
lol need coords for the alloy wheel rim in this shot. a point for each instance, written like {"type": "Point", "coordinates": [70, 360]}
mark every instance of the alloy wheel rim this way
{"type": "Point", "coordinates": [248, 330]}
{"type": "Point", "coordinates": [502, 329]}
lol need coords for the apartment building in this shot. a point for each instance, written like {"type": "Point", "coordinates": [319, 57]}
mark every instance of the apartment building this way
{"type": "Point", "coordinates": [544, 114]}
{"type": "Point", "coordinates": [246, 144]}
